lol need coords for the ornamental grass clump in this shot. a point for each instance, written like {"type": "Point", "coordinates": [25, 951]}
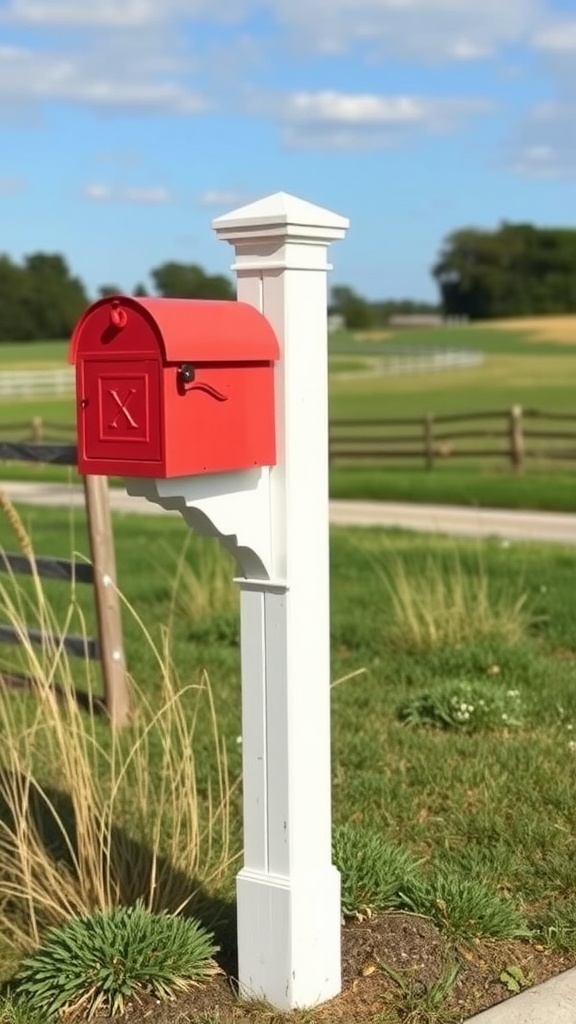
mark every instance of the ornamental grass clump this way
{"type": "Point", "coordinates": [464, 706]}
{"type": "Point", "coordinates": [93, 817]}
{"type": "Point", "coordinates": [442, 601]}
{"type": "Point", "coordinates": [100, 961]}
{"type": "Point", "coordinates": [465, 908]}
{"type": "Point", "coordinates": [374, 874]}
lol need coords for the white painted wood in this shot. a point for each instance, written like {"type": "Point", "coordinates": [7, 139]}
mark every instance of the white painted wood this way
{"type": "Point", "coordinates": [275, 521]}
{"type": "Point", "coordinates": [234, 507]}
{"type": "Point", "coordinates": [289, 911]}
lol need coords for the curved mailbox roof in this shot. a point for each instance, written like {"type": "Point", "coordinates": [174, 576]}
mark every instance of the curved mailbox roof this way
{"type": "Point", "coordinates": [199, 330]}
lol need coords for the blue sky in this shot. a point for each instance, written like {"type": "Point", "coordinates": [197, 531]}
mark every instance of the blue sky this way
{"type": "Point", "coordinates": [127, 125]}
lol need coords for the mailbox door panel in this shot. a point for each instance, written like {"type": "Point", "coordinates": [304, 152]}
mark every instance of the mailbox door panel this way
{"type": "Point", "coordinates": [120, 411]}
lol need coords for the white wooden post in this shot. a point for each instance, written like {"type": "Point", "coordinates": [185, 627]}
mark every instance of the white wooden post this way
{"type": "Point", "coordinates": [288, 892]}
{"type": "Point", "coordinates": [275, 521]}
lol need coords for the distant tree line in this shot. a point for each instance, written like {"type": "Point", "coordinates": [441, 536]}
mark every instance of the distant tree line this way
{"type": "Point", "coordinates": [360, 314]}
{"type": "Point", "coordinates": [515, 270]}
{"type": "Point", "coordinates": [41, 299]}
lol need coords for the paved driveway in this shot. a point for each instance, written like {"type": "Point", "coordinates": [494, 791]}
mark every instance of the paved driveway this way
{"type": "Point", "coordinates": [457, 521]}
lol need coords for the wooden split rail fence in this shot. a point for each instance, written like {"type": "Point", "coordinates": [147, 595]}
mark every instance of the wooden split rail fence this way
{"type": "Point", "coordinates": [514, 434]}
{"type": "Point", "coordinates": [100, 573]}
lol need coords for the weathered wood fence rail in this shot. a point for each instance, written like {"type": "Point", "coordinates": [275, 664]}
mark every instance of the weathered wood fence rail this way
{"type": "Point", "coordinates": [100, 573]}
{"type": "Point", "coordinates": [514, 434]}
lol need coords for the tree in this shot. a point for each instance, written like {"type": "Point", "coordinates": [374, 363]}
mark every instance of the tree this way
{"type": "Point", "coordinates": [357, 312]}
{"type": "Point", "coordinates": [106, 290]}
{"type": "Point", "coordinates": [16, 323]}
{"type": "Point", "coordinates": [517, 270]}
{"type": "Point", "coordinates": [189, 281]}
{"type": "Point", "coordinates": [39, 299]}
{"type": "Point", "coordinates": [55, 299]}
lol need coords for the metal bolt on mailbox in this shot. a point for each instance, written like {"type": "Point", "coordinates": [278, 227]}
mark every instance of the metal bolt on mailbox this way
{"type": "Point", "coordinates": [220, 411]}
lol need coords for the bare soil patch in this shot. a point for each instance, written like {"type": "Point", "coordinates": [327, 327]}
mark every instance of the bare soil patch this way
{"type": "Point", "coordinates": [389, 965]}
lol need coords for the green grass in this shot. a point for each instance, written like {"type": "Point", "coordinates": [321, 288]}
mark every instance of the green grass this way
{"type": "Point", "coordinates": [473, 828]}
{"type": "Point", "coordinates": [486, 803]}
{"type": "Point", "coordinates": [453, 484]}
{"type": "Point", "coordinates": [472, 338]}
{"type": "Point", "coordinates": [26, 355]}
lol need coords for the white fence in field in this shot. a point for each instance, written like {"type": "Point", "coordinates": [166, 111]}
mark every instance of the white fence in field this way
{"type": "Point", "coordinates": [430, 361]}
{"type": "Point", "coordinates": [15, 383]}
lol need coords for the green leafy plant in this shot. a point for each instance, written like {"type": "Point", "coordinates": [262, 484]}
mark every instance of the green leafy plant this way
{"type": "Point", "coordinates": [100, 961]}
{"type": "Point", "coordinates": [465, 908]}
{"type": "Point", "coordinates": [465, 705]}
{"type": "Point", "coordinates": [514, 979]}
{"type": "Point", "coordinates": [374, 873]}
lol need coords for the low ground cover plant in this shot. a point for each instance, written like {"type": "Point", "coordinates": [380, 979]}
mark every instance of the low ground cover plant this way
{"type": "Point", "coordinates": [466, 705]}
{"type": "Point", "coordinates": [102, 960]}
{"type": "Point", "coordinates": [375, 874]}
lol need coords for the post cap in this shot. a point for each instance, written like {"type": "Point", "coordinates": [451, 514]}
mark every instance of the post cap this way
{"type": "Point", "coordinates": [281, 215]}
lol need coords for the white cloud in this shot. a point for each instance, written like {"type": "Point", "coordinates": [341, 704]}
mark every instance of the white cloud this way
{"type": "Point", "coordinates": [29, 75]}
{"type": "Point", "coordinates": [349, 121]}
{"type": "Point", "coordinates": [115, 14]}
{"type": "Point", "coordinates": [153, 195]}
{"type": "Point", "coordinates": [543, 147]}
{"type": "Point", "coordinates": [428, 29]}
{"type": "Point", "coordinates": [431, 29]}
{"type": "Point", "coordinates": [221, 197]}
{"type": "Point", "coordinates": [105, 13]}
{"type": "Point", "coordinates": [559, 38]}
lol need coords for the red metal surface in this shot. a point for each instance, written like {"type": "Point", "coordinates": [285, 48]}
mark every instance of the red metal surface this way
{"type": "Point", "coordinates": [187, 330]}
{"type": "Point", "coordinates": [139, 414]}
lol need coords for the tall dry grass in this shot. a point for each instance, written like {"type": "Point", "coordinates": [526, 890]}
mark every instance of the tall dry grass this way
{"type": "Point", "coordinates": [440, 602]}
{"type": "Point", "coordinates": [91, 817]}
{"type": "Point", "coordinates": [202, 581]}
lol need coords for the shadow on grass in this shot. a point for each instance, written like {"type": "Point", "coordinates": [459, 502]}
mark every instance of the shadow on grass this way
{"type": "Point", "coordinates": [52, 819]}
{"type": "Point", "coordinates": [85, 701]}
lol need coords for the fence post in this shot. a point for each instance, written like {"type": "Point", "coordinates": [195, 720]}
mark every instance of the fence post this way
{"type": "Point", "coordinates": [429, 440]}
{"type": "Point", "coordinates": [106, 599]}
{"type": "Point", "coordinates": [37, 429]}
{"type": "Point", "coordinates": [517, 452]}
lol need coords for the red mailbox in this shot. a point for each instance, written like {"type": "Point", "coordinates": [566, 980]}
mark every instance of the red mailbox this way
{"type": "Point", "coordinates": [173, 387]}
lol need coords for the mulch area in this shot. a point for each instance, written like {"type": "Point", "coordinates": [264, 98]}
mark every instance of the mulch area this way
{"type": "Point", "coordinates": [389, 962]}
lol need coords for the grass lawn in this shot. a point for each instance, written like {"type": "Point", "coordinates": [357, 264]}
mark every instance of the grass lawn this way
{"type": "Point", "coordinates": [453, 713]}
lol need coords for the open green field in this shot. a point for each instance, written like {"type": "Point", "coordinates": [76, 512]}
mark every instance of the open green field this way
{"type": "Point", "coordinates": [33, 355]}
{"type": "Point", "coordinates": [481, 798]}
{"type": "Point", "coordinates": [521, 367]}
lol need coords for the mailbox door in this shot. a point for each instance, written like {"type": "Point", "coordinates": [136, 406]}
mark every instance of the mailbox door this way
{"type": "Point", "coordinates": [119, 409]}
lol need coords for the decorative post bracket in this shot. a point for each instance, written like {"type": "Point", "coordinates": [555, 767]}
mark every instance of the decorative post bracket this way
{"type": "Point", "coordinates": [233, 507]}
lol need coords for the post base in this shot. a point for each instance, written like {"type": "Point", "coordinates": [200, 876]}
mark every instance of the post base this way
{"type": "Point", "coordinates": [289, 937]}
